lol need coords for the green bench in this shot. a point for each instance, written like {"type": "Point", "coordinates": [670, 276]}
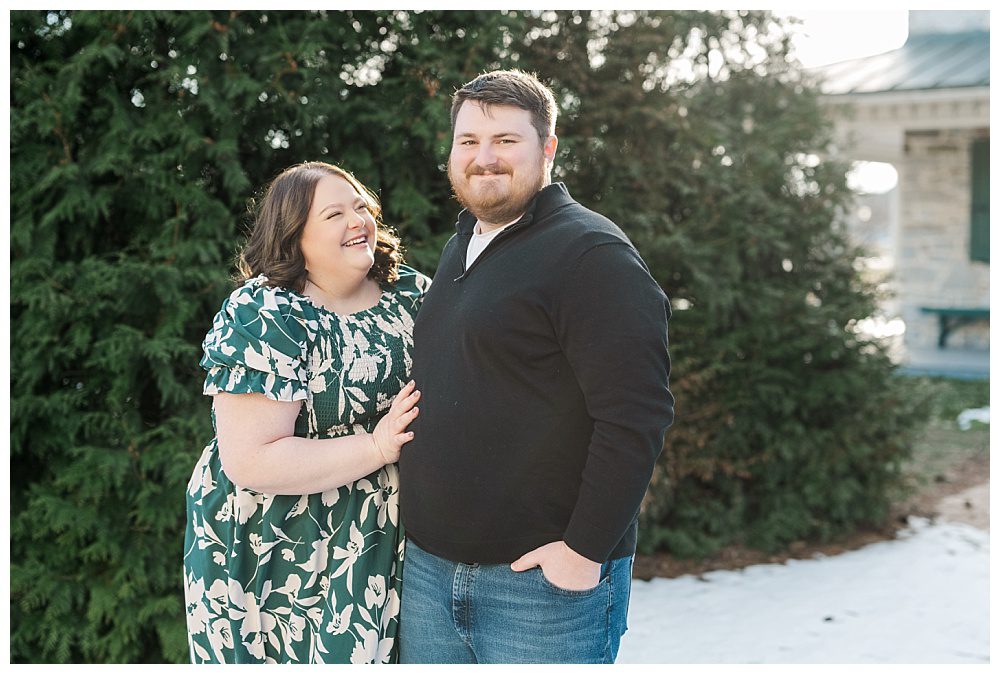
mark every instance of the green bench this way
{"type": "Point", "coordinates": [950, 318]}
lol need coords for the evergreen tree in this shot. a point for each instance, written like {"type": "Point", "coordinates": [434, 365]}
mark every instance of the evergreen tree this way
{"type": "Point", "coordinates": [137, 140]}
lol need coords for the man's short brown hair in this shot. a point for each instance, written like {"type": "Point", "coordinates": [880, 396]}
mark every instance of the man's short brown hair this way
{"type": "Point", "coordinates": [511, 87]}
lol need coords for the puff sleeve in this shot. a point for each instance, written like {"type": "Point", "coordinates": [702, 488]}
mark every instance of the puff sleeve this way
{"type": "Point", "coordinates": [257, 345]}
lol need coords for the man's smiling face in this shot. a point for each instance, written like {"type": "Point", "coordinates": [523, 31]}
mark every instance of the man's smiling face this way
{"type": "Point", "coordinates": [497, 162]}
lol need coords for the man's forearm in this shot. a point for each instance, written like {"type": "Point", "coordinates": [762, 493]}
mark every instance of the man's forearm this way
{"type": "Point", "coordinates": [616, 339]}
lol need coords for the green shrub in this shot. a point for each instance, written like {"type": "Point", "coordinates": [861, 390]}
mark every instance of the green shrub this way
{"type": "Point", "coordinates": [137, 140]}
{"type": "Point", "coordinates": [952, 396]}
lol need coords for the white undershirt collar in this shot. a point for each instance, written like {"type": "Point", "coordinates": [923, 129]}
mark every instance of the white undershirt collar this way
{"type": "Point", "coordinates": [479, 242]}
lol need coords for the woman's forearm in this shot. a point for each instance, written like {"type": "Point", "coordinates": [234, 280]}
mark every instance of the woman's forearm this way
{"type": "Point", "coordinates": [294, 465]}
{"type": "Point", "coordinates": [259, 450]}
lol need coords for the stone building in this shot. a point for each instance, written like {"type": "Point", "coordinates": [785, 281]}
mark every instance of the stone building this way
{"type": "Point", "coordinates": [924, 108]}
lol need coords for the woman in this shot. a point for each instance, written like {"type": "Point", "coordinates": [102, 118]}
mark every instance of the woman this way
{"type": "Point", "coordinates": [293, 550]}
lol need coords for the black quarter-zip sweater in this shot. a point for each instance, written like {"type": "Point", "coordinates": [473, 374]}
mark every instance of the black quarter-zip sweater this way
{"type": "Point", "coordinates": [543, 372]}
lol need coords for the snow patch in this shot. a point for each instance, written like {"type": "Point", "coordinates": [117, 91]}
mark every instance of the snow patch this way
{"type": "Point", "coordinates": [922, 598]}
{"type": "Point", "coordinates": [966, 417]}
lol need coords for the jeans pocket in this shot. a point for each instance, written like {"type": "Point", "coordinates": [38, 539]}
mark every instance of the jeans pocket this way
{"type": "Point", "coordinates": [549, 585]}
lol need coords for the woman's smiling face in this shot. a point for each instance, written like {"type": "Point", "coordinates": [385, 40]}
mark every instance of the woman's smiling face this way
{"type": "Point", "coordinates": [339, 235]}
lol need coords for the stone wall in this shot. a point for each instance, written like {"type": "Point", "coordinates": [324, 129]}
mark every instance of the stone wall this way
{"type": "Point", "coordinates": [932, 264]}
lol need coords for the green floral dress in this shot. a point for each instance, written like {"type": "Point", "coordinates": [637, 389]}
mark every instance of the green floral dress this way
{"type": "Point", "coordinates": [311, 578]}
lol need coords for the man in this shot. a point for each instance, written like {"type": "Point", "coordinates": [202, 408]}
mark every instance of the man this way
{"type": "Point", "coordinates": [541, 355]}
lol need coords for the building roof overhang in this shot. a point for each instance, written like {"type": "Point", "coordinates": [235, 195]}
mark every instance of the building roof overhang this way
{"type": "Point", "coordinates": [925, 62]}
{"type": "Point", "coordinates": [965, 107]}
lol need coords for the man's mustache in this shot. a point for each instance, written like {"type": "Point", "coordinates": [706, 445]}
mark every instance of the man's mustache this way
{"type": "Point", "coordinates": [476, 170]}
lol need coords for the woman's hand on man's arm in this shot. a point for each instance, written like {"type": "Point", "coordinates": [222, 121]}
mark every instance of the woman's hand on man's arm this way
{"type": "Point", "coordinates": [390, 433]}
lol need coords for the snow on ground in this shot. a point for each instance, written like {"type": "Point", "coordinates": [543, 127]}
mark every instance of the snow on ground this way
{"type": "Point", "coordinates": [923, 598]}
{"type": "Point", "coordinates": [966, 417]}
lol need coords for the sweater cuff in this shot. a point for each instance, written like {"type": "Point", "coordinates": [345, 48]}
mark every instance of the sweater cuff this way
{"type": "Point", "coordinates": [586, 539]}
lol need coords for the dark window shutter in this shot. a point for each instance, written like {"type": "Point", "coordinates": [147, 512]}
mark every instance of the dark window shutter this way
{"type": "Point", "coordinates": [979, 244]}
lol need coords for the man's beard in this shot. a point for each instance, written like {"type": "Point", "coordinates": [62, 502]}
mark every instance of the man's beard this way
{"type": "Point", "coordinates": [497, 204]}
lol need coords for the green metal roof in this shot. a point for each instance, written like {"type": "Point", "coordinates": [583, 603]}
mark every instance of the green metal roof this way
{"type": "Point", "coordinates": [925, 61]}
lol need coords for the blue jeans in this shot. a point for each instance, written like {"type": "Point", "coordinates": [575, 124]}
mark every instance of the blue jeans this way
{"type": "Point", "coordinates": [486, 613]}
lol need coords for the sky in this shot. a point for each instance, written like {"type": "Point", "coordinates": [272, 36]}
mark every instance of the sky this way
{"type": "Point", "coordinates": [830, 36]}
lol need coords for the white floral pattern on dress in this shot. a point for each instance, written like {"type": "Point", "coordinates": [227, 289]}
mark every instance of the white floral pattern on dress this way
{"type": "Point", "coordinates": [316, 577]}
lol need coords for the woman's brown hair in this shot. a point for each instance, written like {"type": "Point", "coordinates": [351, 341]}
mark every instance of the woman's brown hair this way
{"type": "Point", "coordinates": [273, 246]}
